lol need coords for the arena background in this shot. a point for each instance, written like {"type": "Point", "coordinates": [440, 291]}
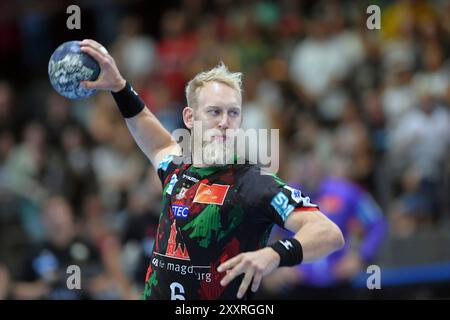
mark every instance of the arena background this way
{"type": "Point", "coordinates": [373, 104]}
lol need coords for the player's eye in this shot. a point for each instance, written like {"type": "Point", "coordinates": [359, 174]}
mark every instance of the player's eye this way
{"type": "Point", "coordinates": [234, 114]}
{"type": "Point", "coordinates": [214, 112]}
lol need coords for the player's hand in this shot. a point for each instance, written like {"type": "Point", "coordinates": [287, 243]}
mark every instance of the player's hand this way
{"type": "Point", "coordinates": [254, 265]}
{"type": "Point", "coordinates": [109, 77]}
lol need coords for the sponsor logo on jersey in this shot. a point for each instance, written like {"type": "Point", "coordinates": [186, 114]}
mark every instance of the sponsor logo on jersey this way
{"type": "Point", "coordinates": [185, 176]}
{"type": "Point", "coordinates": [211, 194]}
{"type": "Point", "coordinates": [201, 273]}
{"type": "Point", "coordinates": [174, 249]}
{"type": "Point", "coordinates": [172, 182]}
{"type": "Point", "coordinates": [165, 162]}
{"type": "Point", "coordinates": [180, 211]}
{"type": "Point", "coordinates": [281, 204]}
{"type": "Point", "coordinates": [296, 194]}
{"type": "Point", "coordinates": [181, 194]}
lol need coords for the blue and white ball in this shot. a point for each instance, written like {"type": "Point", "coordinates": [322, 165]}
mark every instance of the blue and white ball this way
{"type": "Point", "coordinates": [68, 66]}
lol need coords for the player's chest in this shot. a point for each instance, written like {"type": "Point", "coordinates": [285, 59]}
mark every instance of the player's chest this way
{"type": "Point", "coordinates": [190, 197]}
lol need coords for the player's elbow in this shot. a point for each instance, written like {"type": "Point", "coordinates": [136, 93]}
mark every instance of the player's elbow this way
{"type": "Point", "coordinates": [336, 236]}
{"type": "Point", "coordinates": [332, 233]}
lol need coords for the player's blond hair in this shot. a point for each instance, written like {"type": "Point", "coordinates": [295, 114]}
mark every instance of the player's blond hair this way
{"type": "Point", "coordinates": [219, 73]}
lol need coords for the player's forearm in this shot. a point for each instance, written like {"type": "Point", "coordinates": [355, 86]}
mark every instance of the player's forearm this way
{"type": "Point", "coordinates": [149, 133]}
{"type": "Point", "coordinates": [319, 239]}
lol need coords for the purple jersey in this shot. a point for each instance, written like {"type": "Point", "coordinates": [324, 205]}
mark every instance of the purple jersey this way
{"type": "Point", "coordinates": [349, 206]}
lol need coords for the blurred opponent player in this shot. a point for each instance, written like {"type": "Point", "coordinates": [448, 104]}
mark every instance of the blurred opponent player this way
{"type": "Point", "coordinates": [362, 223]}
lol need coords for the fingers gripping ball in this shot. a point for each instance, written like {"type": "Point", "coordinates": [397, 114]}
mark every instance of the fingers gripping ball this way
{"type": "Point", "coordinates": [68, 66]}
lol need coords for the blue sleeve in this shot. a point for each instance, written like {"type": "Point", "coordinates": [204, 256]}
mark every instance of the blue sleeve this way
{"type": "Point", "coordinates": [166, 167]}
{"type": "Point", "coordinates": [375, 226]}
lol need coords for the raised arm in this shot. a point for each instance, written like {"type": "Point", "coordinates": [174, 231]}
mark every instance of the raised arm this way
{"type": "Point", "coordinates": [151, 137]}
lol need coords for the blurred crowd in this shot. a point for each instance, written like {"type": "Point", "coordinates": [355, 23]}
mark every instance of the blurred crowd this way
{"type": "Point", "coordinates": [370, 107]}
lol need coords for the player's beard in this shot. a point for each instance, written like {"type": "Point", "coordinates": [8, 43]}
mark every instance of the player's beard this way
{"type": "Point", "coordinates": [217, 152]}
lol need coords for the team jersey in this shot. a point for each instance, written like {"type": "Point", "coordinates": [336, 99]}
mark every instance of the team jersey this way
{"type": "Point", "coordinates": [208, 216]}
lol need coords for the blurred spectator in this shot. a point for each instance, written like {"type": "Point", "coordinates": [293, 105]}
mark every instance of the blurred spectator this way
{"type": "Point", "coordinates": [103, 118]}
{"type": "Point", "coordinates": [10, 119]}
{"type": "Point", "coordinates": [139, 232]}
{"type": "Point", "coordinates": [404, 16]}
{"type": "Point", "coordinates": [5, 105]}
{"type": "Point", "coordinates": [434, 79]}
{"type": "Point", "coordinates": [57, 117]}
{"type": "Point", "coordinates": [135, 52]}
{"type": "Point", "coordinates": [375, 119]}
{"type": "Point", "coordinates": [321, 62]}
{"type": "Point", "coordinates": [398, 95]}
{"type": "Point", "coordinates": [176, 50]}
{"type": "Point", "coordinates": [213, 47]}
{"type": "Point", "coordinates": [261, 99]}
{"type": "Point", "coordinates": [43, 274]}
{"type": "Point", "coordinates": [245, 36]}
{"type": "Point", "coordinates": [117, 166]}
{"type": "Point", "coordinates": [35, 34]}
{"type": "Point", "coordinates": [28, 163]}
{"type": "Point", "coordinates": [79, 177]}
{"type": "Point", "coordinates": [103, 228]}
{"type": "Point", "coordinates": [352, 141]}
{"type": "Point", "coordinates": [419, 149]}
{"type": "Point", "coordinates": [6, 145]}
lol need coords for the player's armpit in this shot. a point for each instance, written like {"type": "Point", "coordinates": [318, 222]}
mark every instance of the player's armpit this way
{"type": "Point", "coordinates": [172, 149]}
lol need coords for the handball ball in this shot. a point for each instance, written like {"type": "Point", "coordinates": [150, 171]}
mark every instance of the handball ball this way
{"type": "Point", "coordinates": [68, 66]}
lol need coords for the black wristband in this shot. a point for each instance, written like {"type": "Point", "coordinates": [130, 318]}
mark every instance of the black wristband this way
{"type": "Point", "coordinates": [290, 251]}
{"type": "Point", "coordinates": [128, 101]}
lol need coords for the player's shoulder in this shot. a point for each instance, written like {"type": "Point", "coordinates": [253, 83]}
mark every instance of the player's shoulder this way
{"type": "Point", "coordinates": [172, 161]}
{"type": "Point", "coordinates": [169, 165]}
{"type": "Point", "coordinates": [246, 169]}
{"type": "Point", "coordinates": [255, 174]}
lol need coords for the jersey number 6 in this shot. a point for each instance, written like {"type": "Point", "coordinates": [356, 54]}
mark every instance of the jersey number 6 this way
{"type": "Point", "coordinates": [173, 294]}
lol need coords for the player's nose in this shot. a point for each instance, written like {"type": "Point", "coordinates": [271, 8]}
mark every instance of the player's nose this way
{"type": "Point", "coordinates": [223, 124]}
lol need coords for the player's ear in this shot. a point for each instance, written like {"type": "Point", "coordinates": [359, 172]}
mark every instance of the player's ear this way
{"type": "Point", "coordinates": [188, 117]}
